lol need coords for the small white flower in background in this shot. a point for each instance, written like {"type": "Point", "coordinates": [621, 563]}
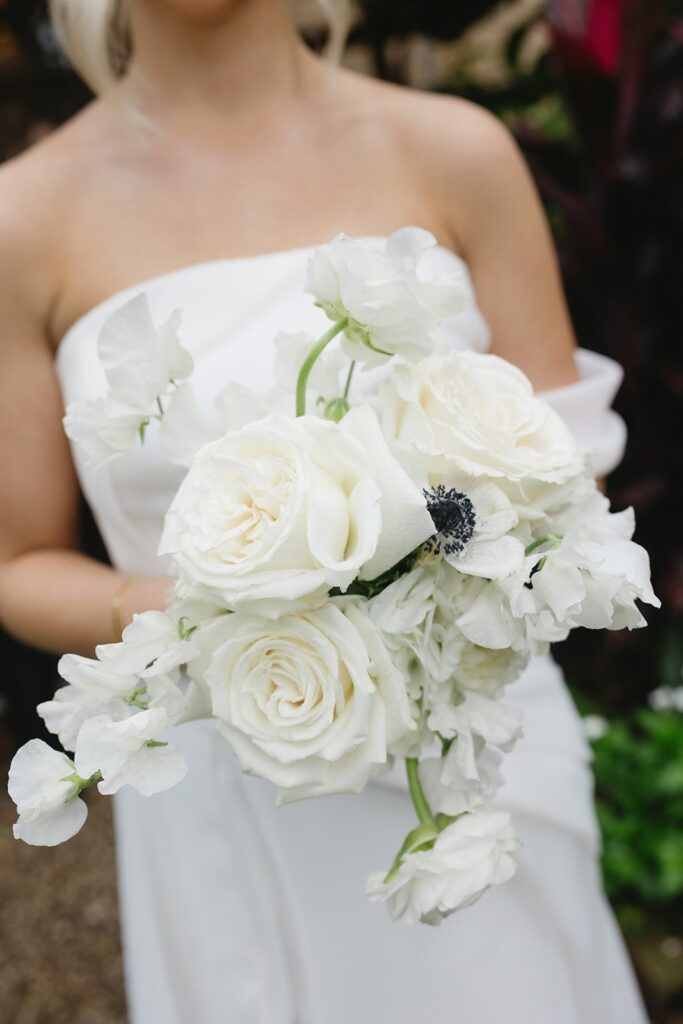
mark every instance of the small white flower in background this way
{"type": "Point", "coordinates": [42, 784]}
{"type": "Point", "coordinates": [140, 362]}
{"type": "Point", "coordinates": [310, 702]}
{"type": "Point", "coordinates": [472, 530]}
{"type": "Point", "coordinates": [129, 753]}
{"type": "Point", "coordinates": [595, 726]}
{"type": "Point", "coordinates": [475, 415]}
{"type": "Point", "coordinates": [667, 698]}
{"type": "Point", "coordinates": [284, 509]}
{"type": "Point", "coordinates": [391, 309]}
{"type": "Point", "coordinates": [471, 854]}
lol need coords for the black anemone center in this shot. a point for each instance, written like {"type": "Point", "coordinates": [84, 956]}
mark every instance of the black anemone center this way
{"type": "Point", "coordinates": [454, 519]}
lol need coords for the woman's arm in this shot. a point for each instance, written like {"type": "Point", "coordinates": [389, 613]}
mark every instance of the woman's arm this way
{"type": "Point", "coordinates": [493, 213]}
{"type": "Point", "coordinates": [51, 595]}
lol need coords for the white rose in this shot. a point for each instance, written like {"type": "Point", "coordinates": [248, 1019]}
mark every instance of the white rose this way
{"type": "Point", "coordinates": [475, 415]}
{"type": "Point", "coordinates": [283, 510]}
{"type": "Point", "coordinates": [310, 702]}
{"type": "Point", "coordinates": [467, 857]}
{"type": "Point", "coordinates": [391, 309]}
{"type": "Point", "coordinates": [43, 785]}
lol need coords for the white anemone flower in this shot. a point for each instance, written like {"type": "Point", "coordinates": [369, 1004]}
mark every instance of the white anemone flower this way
{"type": "Point", "coordinates": [473, 531]}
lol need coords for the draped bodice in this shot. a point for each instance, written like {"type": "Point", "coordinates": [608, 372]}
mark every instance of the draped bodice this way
{"type": "Point", "coordinates": [232, 310]}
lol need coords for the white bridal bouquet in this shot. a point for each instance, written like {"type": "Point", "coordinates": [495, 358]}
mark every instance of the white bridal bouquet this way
{"type": "Point", "coordinates": [354, 584]}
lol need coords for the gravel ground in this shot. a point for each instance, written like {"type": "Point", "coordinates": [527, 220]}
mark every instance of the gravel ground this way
{"type": "Point", "coordinates": [60, 956]}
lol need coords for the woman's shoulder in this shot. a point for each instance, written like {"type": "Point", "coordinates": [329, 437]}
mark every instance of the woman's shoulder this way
{"type": "Point", "coordinates": [462, 155]}
{"type": "Point", "coordinates": [442, 126]}
{"type": "Point", "coordinates": [39, 198]}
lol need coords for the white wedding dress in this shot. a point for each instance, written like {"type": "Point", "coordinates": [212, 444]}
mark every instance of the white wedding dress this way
{"type": "Point", "coordinates": [238, 912]}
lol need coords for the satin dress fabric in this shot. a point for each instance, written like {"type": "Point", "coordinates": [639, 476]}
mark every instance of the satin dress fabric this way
{"type": "Point", "coordinates": [237, 912]}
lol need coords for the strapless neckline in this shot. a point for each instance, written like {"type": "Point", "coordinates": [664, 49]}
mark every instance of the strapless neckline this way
{"type": "Point", "coordinates": [189, 269]}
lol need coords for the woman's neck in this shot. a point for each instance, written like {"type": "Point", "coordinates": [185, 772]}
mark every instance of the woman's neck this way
{"type": "Point", "coordinates": [190, 70]}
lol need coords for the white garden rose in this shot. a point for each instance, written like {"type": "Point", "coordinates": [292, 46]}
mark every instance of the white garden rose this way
{"type": "Point", "coordinates": [283, 510]}
{"type": "Point", "coordinates": [391, 308]}
{"type": "Point", "coordinates": [44, 786]}
{"type": "Point", "coordinates": [474, 415]}
{"type": "Point", "coordinates": [310, 701]}
{"type": "Point", "coordinates": [471, 854]}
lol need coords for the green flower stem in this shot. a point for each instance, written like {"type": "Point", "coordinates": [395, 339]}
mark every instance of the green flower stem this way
{"type": "Point", "coordinates": [422, 808]}
{"type": "Point", "coordinates": [305, 371]}
{"type": "Point", "coordinates": [347, 386]}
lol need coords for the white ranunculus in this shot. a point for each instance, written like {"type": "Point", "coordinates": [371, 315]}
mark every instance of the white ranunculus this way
{"type": "Point", "coordinates": [129, 753]}
{"type": "Point", "coordinates": [140, 362]}
{"type": "Point", "coordinates": [451, 789]}
{"type": "Point", "coordinates": [583, 571]}
{"type": "Point", "coordinates": [392, 309]}
{"type": "Point", "coordinates": [283, 510]}
{"type": "Point", "coordinates": [470, 855]}
{"type": "Point", "coordinates": [475, 415]}
{"type": "Point", "coordinates": [476, 716]}
{"type": "Point", "coordinates": [310, 701]}
{"type": "Point", "coordinates": [42, 786]}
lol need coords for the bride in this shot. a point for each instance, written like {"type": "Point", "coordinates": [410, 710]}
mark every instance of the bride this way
{"type": "Point", "coordinates": [219, 154]}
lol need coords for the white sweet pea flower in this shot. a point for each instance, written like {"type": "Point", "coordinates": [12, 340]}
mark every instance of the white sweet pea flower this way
{"type": "Point", "coordinates": [45, 788]}
{"type": "Point", "coordinates": [139, 359]}
{"type": "Point", "coordinates": [391, 309]}
{"type": "Point", "coordinates": [470, 414]}
{"type": "Point", "coordinates": [310, 702]}
{"type": "Point", "coordinates": [470, 855]}
{"type": "Point", "coordinates": [139, 672]}
{"type": "Point", "coordinates": [473, 530]}
{"type": "Point", "coordinates": [93, 690]}
{"type": "Point", "coordinates": [129, 753]}
{"type": "Point", "coordinates": [151, 645]}
{"type": "Point", "coordinates": [188, 423]}
{"type": "Point", "coordinates": [141, 362]}
{"type": "Point", "coordinates": [104, 428]}
{"type": "Point", "coordinates": [283, 510]}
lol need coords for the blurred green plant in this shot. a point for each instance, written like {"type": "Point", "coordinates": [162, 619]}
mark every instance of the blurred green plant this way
{"type": "Point", "coordinates": [638, 767]}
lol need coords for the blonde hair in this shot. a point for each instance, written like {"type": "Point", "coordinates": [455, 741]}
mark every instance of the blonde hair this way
{"type": "Point", "coordinates": [94, 35]}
